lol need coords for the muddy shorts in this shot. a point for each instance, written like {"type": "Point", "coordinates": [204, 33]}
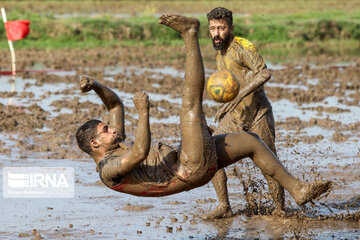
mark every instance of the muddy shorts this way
{"type": "Point", "coordinates": [198, 159]}
{"type": "Point", "coordinates": [263, 125]}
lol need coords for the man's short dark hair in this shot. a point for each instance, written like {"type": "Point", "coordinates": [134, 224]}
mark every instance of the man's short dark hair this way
{"type": "Point", "coordinates": [85, 134]}
{"type": "Point", "coordinates": [221, 13]}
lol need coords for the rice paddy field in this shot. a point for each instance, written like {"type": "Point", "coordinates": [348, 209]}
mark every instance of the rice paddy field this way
{"type": "Point", "coordinates": [312, 50]}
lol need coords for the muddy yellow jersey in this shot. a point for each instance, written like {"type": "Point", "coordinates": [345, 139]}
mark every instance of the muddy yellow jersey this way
{"type": "Point", "coordinates": [241, 57]}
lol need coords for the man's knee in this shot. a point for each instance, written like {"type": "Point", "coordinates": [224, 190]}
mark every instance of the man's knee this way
{"type": "Point", "coordinates": [266, 131]}
{"type": "Point", "coordinates": [254, 135]}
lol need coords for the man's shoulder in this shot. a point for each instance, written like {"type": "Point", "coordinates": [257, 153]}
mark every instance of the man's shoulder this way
{"type": "Point", "coordinates": [240, 43]}
{"type": "Point", "coordinates": [107, 160]}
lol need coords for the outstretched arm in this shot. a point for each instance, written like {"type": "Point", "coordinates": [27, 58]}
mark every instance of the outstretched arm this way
{"type": "Point", "coordinates": [142, 142]}
{"type": "Point", "coordinates": [114, 166]}
{"type": "Point", "coordinates": [111, 101]}
{"type": "Point", "coordinates": [253, 83]}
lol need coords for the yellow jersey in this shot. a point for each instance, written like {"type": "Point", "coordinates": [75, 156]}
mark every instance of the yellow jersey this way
{"type": "Point", "coordinates": [241, 57]}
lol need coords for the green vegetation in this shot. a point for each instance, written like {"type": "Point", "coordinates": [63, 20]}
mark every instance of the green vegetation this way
{"type": "Point", "coordinates": [284, 31]}
{"type": "Point", "coordinates": [151, 7]}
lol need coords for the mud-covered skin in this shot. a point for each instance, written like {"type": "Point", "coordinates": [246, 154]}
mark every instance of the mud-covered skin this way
{"type": "Point", "coordinates": [200, 153]}
{"type": "Point", "coordinates": [57, 144]}
{"type": "Point", "coordinates": [249, 111]}
{"type": "Point", "coordinates": [197, 154]}
{"type": "Point", "coordinates": [162, 171]}
{"type": "Point", "coordinates": [111, 101]}
{"type": "Point", "coordinates": [231, 148]}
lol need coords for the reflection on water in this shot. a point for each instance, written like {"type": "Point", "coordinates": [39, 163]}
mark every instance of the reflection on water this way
{"type": "Point", "coordinates": [275, 66]}
{"type": "Point", "coordinates": [62, 73]}
{"type": "Point", "coordinates": [313, 81]}
{"type": "Point", "coordinates": [284, 109]}
{"type": "Point", "coordinates": [27, 85]}
{"type": "Point", "coordinates": [321, 152]}
{"type": "Point", "coordinates": [8, 84]}
{"type": "Point", "coordinates": [333, 65]}
{"type": "Point", "coordinates": [289, 86]}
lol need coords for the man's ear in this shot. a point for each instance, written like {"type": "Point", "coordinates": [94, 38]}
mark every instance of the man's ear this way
{"type": "Point", "coordinates": [94, 143]}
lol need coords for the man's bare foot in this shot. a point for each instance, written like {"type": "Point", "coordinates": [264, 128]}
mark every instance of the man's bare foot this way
{"type": "Point", "coordinates": [311, 191]}
{"type": "Point", "coordinates": [86, 83]}
{"type": "Point", "coordinates": [179, 23]}
{"type": "Point", "coordinates": [221, 211]}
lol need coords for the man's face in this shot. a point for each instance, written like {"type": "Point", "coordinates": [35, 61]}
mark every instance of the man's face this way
{"type": "Point", "coordinates": [221, 33]}
{"type": "Point", "coordinates": [106, 137]}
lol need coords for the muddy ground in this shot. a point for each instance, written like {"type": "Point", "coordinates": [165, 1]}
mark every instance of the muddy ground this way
{"type": "Point", "coordinates": [316, 106]}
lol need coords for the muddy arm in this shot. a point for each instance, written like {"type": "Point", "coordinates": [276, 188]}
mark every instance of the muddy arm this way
{"type": "Point", "coordinates": [253, 83]}
{"type": "Point", "coordinates": [117, 166]}
{"type": "Point", "coordinates": [142, 142]}
{"type": "Point", "coordinates": [111, 100]}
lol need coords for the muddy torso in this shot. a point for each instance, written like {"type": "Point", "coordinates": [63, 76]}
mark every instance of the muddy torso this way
{"type": "Point", "coordinates": [241, 57]}
{"type": "Point", "coordinates": [155, 176]}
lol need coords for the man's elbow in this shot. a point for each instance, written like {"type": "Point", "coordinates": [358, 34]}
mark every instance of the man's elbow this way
{"type": "Point", "coordinates": [117, 107]}
{"type": "Point", "coordinates": [141, 153]}
{"type": "Point", "coordinates": [266, 74]}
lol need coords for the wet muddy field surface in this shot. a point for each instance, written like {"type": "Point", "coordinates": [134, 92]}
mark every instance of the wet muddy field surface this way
{"type": "Point", "coordinates": [316, 107]}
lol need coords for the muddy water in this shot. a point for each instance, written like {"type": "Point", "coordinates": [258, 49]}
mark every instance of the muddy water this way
{"type": "Point", "coordinates": [317, 112]}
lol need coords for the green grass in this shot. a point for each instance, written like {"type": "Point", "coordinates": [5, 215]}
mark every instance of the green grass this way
{"type": "Point", "coordinates": [285, 31]}
{"type": "Point", "coordinates": [280, 52]}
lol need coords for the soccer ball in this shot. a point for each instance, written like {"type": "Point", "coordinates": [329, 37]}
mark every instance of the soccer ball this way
{"type": "Point", "coordinates": [222, 86]}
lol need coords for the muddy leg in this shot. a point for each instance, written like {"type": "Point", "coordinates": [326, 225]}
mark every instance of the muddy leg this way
{"type": "Point", "coordinates": [194, 68]}
{"type": "Point", "coordinates": [223, 210]}
{"type": "Point", "coordinates": [234, 147]}
{"type": "Point", "coordinates": [265, 129]}
{"type": "Point", "coordinates": [278, 195]}
{"type": "Point", "coordinates": [219, 180]}
{"type": "Point", "coordinates": [197, 148]}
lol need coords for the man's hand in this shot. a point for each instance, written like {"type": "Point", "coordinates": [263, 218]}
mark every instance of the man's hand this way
{"type": "Point", "coordinates": [252, 83]}
{"type": "Point", "coordinates": [141, 101]}
{"type": "Point", "coordinates": [228, 107]}
{"type": "Point", "coordinates": [225, 108]}
{"type": "Point", "coordinates": [86, 83]}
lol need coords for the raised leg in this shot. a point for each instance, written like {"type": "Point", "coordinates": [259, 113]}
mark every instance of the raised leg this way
{"type": "Point", "coordinates": [197, 156]}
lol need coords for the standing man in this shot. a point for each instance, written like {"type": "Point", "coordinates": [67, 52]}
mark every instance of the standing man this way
{"type": "Point", "coordinates": [250, 110]}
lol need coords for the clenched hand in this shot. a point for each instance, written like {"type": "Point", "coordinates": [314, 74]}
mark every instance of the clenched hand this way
{"type": "Point", "coordinates": [141, 101]}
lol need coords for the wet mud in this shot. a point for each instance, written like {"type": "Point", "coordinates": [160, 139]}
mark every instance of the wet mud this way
{"type": "Point", "coordinates": [317, 115]}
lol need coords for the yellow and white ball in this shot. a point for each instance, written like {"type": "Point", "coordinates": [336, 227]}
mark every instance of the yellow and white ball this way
{"type": "Point", "coordinates": [222, 86]}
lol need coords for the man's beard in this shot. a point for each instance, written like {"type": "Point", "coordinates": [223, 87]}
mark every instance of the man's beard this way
{"type": "Point", "coordinates": [114, 143]}
{"type": "Point", "coordinates": [223, 42]}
